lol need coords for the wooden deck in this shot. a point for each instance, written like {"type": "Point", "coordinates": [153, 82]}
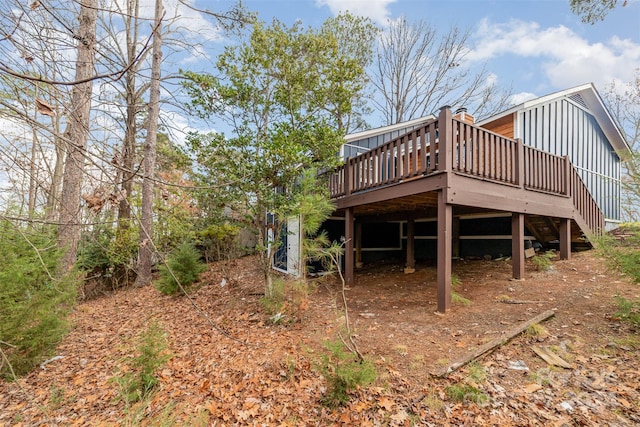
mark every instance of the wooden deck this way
{"type": "Point", "coordinates": [449, 163]}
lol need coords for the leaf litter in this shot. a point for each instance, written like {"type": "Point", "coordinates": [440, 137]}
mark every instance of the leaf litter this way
{"type": "Point", "coordinates": [266, 374]}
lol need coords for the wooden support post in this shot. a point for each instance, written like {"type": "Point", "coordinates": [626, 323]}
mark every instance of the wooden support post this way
{"type": "Point", "coordinates": [565, 238]}
{"type": "Point", "coordinates": [411, 262]}
{"type": "Point", "coordinates": [517, 244]}
{"type": "Point", "coordinates": [455, 250]}
{"type": "Point", "coordinates": [358, 245]}
{"type": "Point", "coordinates": [445, 139]}
{"type": "Point", "coordinates": [348, 246]}
{"type": "Point", "coordinates": [445, 219]}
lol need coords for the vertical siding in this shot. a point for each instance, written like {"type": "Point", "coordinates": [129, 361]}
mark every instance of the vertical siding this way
{"type": "Point", "coordinates": [563, 127]}
{"type": "Point", "coordinates": [353, 148]}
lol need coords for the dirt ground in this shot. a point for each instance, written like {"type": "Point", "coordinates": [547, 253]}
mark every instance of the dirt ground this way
{"type": "Point", "coordinates": [235, 367]}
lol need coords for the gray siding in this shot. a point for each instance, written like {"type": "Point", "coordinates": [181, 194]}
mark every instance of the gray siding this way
{"type": "Point", "coordinates": [565, 127]}
{"type": "Point", "coordinates": [353, 148]}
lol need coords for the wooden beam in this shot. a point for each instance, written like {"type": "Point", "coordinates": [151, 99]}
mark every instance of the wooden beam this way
{"type": "Point", "coordinates": [445, 218]}
{"type": "Point", "coordinates": [517, 244]}
{"type": "Point", "coordinates": [420, 185]}
{"type": "Point", "coordinates": [467, 191]}
{"type": "Point", "coordinates": [502, 339]}
{"type": "Point", "coordinates": [565, 238]}
{"type": "Point", "coordinates": [411, 262]}
{"type": "Point", "coordinates": [348, 246]}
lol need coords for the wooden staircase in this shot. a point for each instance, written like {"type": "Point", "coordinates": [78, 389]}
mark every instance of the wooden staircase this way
{"type": "Point", "coordinates": [546, 230]}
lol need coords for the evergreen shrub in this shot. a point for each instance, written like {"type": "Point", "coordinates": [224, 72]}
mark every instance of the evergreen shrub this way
{"type": "Point", "coordinates": [182, 268]}
{"type": "Point", "coordinates": [33, 304]}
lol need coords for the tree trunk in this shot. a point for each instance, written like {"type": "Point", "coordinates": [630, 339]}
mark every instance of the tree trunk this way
{"type": "Point", "coordinates": [53, 195]}
{"type": "Point", "coordinates": [145, 251]}
{"type": "Point", "coordinates": [76, 135]}
{"type": "Point", "coordinates": [33, 179]}
{"type": "Point", "coordinates": [131, 130]}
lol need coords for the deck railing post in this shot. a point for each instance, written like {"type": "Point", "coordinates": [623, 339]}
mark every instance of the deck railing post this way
{"type": "Point", "coordinates": [445, 139]}
{"type": "Point", "coordinates": [519, 163]}
{"type": "Point", "coordinates": [567, 175]}
{"type": "Point", "coordinates": [348, 177]}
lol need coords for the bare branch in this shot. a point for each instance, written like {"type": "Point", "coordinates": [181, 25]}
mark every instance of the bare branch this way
{"type": "Point", "coordinates": [116, 75]}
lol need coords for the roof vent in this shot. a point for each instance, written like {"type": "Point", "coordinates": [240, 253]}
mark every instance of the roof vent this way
{"type": "Point", "coordinates": [577, 98]}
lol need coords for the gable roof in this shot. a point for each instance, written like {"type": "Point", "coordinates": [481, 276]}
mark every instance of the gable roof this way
{"type": "Point", "coordinates": [587, 96]}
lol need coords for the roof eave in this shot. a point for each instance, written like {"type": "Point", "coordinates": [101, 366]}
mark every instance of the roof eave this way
{"type": "Point", "coordinates": [595, 104]}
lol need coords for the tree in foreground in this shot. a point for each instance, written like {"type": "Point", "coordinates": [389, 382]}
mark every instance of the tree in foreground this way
{"type": "Point", "coordinates": [277, 91]}
{"type": "Point", "coordinates": [76, 136]}
{"type": "Point", "coordinates": [146, 248]}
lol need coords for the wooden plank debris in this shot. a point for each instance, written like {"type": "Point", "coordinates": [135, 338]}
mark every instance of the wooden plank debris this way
{"type": "Point", "coordinates": [491, 345]}
{"type": "Point", "coordinates": [550, 357]}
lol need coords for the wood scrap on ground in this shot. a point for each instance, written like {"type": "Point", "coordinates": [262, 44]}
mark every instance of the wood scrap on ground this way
{"type": "Point", "coordinates": [491, 345]}
{"type": "Point", "coordinates": [518, 301]}
{"type": "Point", "coordinates": [550, 357]}
{"type": "Point", "coordinates": [508, 300]}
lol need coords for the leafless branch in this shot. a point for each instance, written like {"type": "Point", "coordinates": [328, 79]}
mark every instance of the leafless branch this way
{"type": "Point", "coordinates": [116, 75]}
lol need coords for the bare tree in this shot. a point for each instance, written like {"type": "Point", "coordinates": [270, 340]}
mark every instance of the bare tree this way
{"type": "Point", "coordinates": [624, 103]}
{"type": "Point", "coordinates": [132, 96]}
{"type": "Point", "coordinates": [145, 251]}
{"type": "Point", "coordinates": [417, 70]}
{"type": "Point", "coordinates": [33, 113]}
{"type": "Point", "coordinates": [76, 133]}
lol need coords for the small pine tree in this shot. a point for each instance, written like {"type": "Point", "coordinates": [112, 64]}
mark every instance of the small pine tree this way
{"type": "Point", "coordinates": [140, 379]}
{"type": "Point", "coordinates": [33, 304]}
{"type": "Point", "coordinates": [344, 372]}
{"type": "Point", "coordinates": [181, 269]}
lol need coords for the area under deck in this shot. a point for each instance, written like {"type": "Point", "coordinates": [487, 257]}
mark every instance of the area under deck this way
{"type": "Point", "coordinates": [449, 166]}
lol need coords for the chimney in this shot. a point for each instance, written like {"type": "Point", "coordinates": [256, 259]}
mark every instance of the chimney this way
{"type": "Point", "coordinates": [462, 115]}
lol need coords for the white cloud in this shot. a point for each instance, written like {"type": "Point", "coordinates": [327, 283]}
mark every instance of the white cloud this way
{"type": "Point", "coordinates": [565, 58]}
{"type": "Point", "coordinates": [191, 21]}
{"type": "Point", "coordinates": [519, 98]}
{"type": "Point", "coordinates": [179, 16]}
{"type": "Point", "coordinates": [377, 10]}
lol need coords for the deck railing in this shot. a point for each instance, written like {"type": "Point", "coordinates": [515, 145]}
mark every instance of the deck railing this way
{"type": "Point", "coordinates": [584, 203]}
{"type": "Point", "coordinates": [450, 145]}
{"type": "Point", "coordinates": [484, 154]}
{"type": "Point", "coordinates": [402, 158]}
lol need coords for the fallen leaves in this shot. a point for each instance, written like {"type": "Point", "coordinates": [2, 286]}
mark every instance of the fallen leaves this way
{"type": "Point", "coordinates": [271, 379]}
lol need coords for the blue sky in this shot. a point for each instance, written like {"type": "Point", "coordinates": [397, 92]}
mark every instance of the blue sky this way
{"type": "Point", "coordinates": [537, 47]}
{"type": "Point", "coordinates": [533, 47]}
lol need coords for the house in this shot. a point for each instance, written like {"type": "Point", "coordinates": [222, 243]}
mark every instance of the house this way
{"type": "Point", "coordinates": [575, 123]}
{"type": "Point", "coordinates": [547, 171]}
